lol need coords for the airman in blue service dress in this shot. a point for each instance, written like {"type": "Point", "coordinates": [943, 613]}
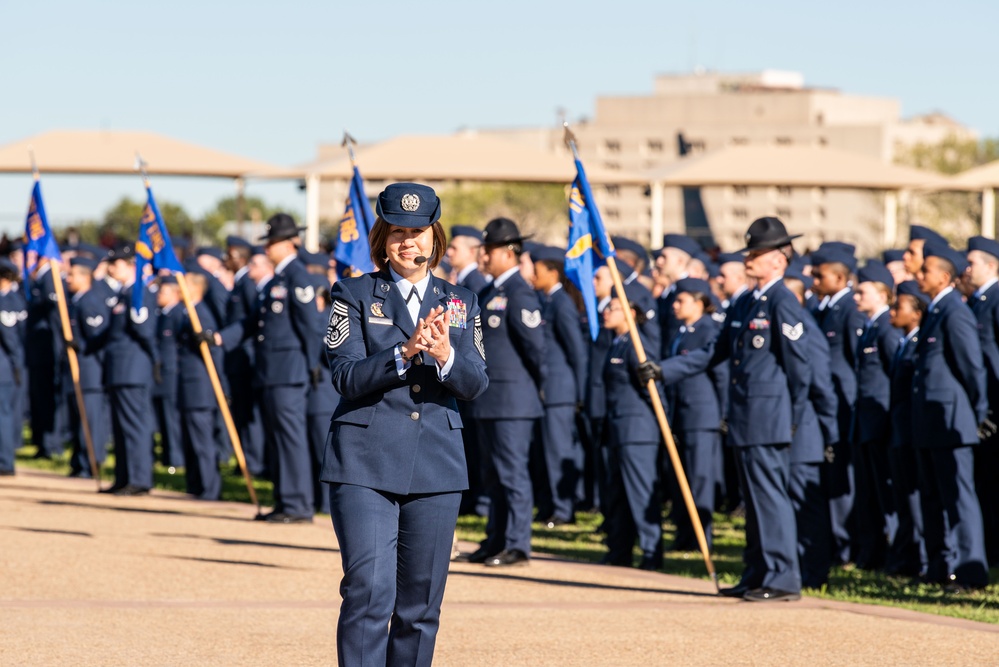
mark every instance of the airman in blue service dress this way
{"type": "Point", "coordinates": [89, 317]}
{"type": "Point", "coordinates": [165, 390]}
{"type": "Point", "coordinates": [949, 409]}
{"type": "Point", "coordinates": [394, 456]}
{"type": "Point", "coordinates": [322, 399]}
{"type": "Point", "coordinates": [282, 326]}
{"type": "Point", "coordinates": [769, 376]}
{"type": "Point", "coordinates": [12, 374]}
{"type": "Point", "coordinates": [44, 353]}
{"type": "Point", "coordinates": [506, 412]}
{"type": "Point", "coordinates": [129, 358]}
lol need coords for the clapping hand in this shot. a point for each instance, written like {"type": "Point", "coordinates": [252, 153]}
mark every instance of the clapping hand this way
{"type": "Point", "coordinates": [432, 335]}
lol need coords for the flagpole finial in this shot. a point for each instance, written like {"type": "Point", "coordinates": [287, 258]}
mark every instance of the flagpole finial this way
{"type": "Point", "coordinates": [570, 139]}
{"type": "Point", "coordinates": [34, 165]}
{"type": "Point", "coordinates": [348, 143]}
{"type": "Point", "coordinates": [140, 166]}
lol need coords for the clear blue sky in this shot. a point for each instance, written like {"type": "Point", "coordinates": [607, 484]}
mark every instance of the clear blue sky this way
{"type": "Point", "coordinates": [270, 80]}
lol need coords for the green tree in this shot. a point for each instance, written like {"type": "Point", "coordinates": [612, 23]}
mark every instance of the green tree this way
{"type": "Point", "coordinates": [537, 208]}
{"type": "Point", "coordinates": [255, 209]}
{"type": "Point", "coordinates": [121, 221]}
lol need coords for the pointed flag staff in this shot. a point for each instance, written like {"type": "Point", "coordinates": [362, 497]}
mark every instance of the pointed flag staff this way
{"type": "Point", "coordinates": [40, 243]}
{"type": "Point", "coordinates": [155, 249]}
{"type": "Point", "coordinates": [587, 234]}
{"type": "Point", "coordinates": [353, 254]}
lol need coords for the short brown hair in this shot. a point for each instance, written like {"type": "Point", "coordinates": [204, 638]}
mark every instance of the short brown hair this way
{"type": "Point", "coordinates": [379, 234]}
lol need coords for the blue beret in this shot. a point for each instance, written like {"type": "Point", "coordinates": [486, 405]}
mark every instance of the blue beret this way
{"type": "Point", "coordinates": [465, 230]}
{"type": "Point", "coordinates": [691, 285]}
{"type": "Point", "coordinates": [408, 205]}
{"type": "Point", "coordinates": [682, 242]}
{"type": "Point", "coordinates": [833, 255]}
{"type": "Point", "coordinates": [211, 252]}
{"type": "Point", "coordinates": [917, 232]}
{"type": "Point", "coordinates": [944, 251]}
{"type": "Point", "coordinates": [875, 272]}
{"type": "Point", "coordinates": [237, 242]}
{"type": "Point", "coordinates": [982, 244]}
{"type": "Point", "coordinates": [911, 287]}
{"type": "Point", "coordinates": [727, 257]}
{"type": "Point", "coordinates": [88, 263]}
{"type": "Point", "coordinates": [889, 256]}
{"type": "Point", "coordinates": [625, 243]}
{"type": "Point", "coordinates": [840, 246]}
{"type": "Point", "coordinates": [548, 252]}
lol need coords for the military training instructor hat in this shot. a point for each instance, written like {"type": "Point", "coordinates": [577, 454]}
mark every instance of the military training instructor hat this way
{"type": "Point", "coordinates": [767, 234]}
{"type": "Point", "coordinates": [500, 231]}
{"type": "Point", "coordinates": [408, 205]}
{"type": "Point", "coordinates": [281, 227]}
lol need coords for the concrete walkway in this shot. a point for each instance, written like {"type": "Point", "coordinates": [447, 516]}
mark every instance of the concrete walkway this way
{"type": "Point", "coordinates": [92, 579]}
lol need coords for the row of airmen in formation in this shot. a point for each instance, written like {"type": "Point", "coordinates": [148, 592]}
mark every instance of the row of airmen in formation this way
{"type": "Point", "coordinates": [840, 408]}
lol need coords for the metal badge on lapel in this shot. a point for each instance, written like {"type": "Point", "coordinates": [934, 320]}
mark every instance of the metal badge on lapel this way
{"type": "Point", "coordinates": [376, 309]}
{"type": "Point", "coordinates": [456, 313]}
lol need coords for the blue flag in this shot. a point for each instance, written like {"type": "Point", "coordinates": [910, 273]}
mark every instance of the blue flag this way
{"type": "Point", "coordinates": [589, 245]}
{"type": "Point", "coordinates": [153, 249]}
{"type": "Point", "coordinates": [353, 254]}
{"type": "Point", "coordinates": [39, 241]}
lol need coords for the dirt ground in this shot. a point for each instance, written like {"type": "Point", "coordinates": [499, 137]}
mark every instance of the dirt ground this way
{"type": "Point", "coordinates": [93, 579]}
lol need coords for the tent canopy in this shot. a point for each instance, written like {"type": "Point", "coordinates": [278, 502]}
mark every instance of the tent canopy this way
{"type": "Point", "coordinates": [795, 166]}
{"type": "Point", "coordinates": [977, 178]}
{"type": "Point", "coordinates": [458, 157]}
{"type": "Point", "coordinates": [113, 152]}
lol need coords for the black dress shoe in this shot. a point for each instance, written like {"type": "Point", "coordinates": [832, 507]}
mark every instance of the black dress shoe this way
{"type": "Point", "coordinates": [132, 490]}
{"type": "Point", "coordinates": [7, 473]}
{"type": "Point", "coordinates": [770, 595]}
{"type": "Point", "coordinates": [508, 558]}
{"type": "Point", "coordinates": [650, 563]}
{"type": "Point", "coordinates": [282, 517]}
{"type": "Point", "coordinates": [114, 488]}
{"type": "Point", "coordinates": [554, 522]}
{"type": "Point", "coordinates": [736, 591]}
{"type": "Point", "coordinates": [616, 560]}
{"type": "Point", "coordinates": [478, 556]}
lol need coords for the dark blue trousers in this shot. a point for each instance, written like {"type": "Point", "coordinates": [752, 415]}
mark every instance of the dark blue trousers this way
{"type": "Point", "coordinates": [772, 561]}
{"type": "Point", "coordinates": [507, 445]}
{"type": "Point", "coordinates": [10, 424]}
{"type": "Point", "coordinates": [201, 454]}
{"type": "Point", "coordinates": [840, 484]}
{"type": "Point", "coordinates": [133, 435]}
{"type": "Point", "coordinates": [563, 459]}
{"type": "Point", "coordinates": [319, 428]}
{"type": "Point", "coordinates": [284, 422]}
{"type": "Point", "coordinates": [395, 552]}
{"type": "Point", "coordinates": [700, 452]}
{"type": "Point", "coordinates": [986, 467]}
{"type": "Point", "coordinates": [168, 423]}
{"type": "Point", "coordinates": [98, 417]}
{"type": "Point", "coordinates": [246, 414]}
{"type": "Point", "coordinates": [48, 411]}
{"type": "Point", "coordinates": [811, 513]}
{"type": "Point", "coordinates": [874, 506]}
{"type": "Point", "coordinates": [955, 540]}
{"type": "Point", "coordinates": [633, 502]}
{"type": "Point", "coordinates": [907, 553]}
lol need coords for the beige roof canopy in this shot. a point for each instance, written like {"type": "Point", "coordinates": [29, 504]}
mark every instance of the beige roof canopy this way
{"type": "Point", "coordinates": [977, 178]}
{"type": "Point", "coordinates": [459, 157]}
{"type": "Point", "coordinates": [113, 152]}
{"type": "Point", "coordinates": [796, 166]}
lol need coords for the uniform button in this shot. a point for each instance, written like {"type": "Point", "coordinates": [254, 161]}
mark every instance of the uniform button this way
{"type": "Point", "coordinates": [414, 416]}
{"type": "Point", "coordinates": [416, 389]}
{"type": "Point", "coordinates": [915, 372]}
{"type": "Point", "coordinates": [736, 362]}
{"type": "Point", "coordinates": [260, 323]}
{"type": "Point", "coordinates": [418, 361]}
{"type": "Point", "coordinates": [915, 390]}
{"type": "Point", "coordinates": [260, 338]}
{"type": "Point", "coordinates": [734, 381]}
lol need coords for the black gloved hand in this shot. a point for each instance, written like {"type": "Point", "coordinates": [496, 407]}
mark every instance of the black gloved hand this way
{"type": "Point", "coordinates": [987, 429]}
{"type": "Point", "coordinates": [316, 376]}
{"type": "Point", "coordinates": [649, 370]}
{"type": "Point", "coordinates": [830, 454]}
{"type": "Point", "coordinates": [17, 376]}
{"type": "Point", "coordinates": [157, 373]}
{"type": "Point", "coordinates": [205, 336]}
{"type": "Point", "coordinates": [73, 345]}
{"type": "Point", "coordinates": [723, 427]}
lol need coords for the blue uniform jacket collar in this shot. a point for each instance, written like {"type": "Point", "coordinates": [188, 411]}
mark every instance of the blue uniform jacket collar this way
{"type": "Point", "coordinates": [394, 308]}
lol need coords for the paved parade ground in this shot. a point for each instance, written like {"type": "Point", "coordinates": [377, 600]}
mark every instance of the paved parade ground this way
{"type": "Point", "coordinates": [163, 580]}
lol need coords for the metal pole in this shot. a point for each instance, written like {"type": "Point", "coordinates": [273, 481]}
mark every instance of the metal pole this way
{"type": "Point", "coordinates": [657, 405]}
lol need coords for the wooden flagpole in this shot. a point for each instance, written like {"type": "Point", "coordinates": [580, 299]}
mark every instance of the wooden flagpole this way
{"type": "Point", "coordinates": [657, 405]}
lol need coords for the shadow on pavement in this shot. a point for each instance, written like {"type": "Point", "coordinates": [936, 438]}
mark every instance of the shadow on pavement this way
{"type": "Point", "coordinates": [246, 543]}
{"type": "Point", "coordinates": [54, 531]}
{"type": "Point", "coordinates": [223, 561]}
{"type": "Point", "coordinates": [581, 584]}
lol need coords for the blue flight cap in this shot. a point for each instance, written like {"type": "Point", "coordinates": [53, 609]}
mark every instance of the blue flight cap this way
{"type": "Point", "coordinates": [834, 256]}
{"type": "Point", "coordinates": [875, 272]}
{"type": "Point", "coordinates": [911, 287]}
{"type": "Point", "coordinates": [232, 241]}
{"type": "Point", "coordinates": [167, 280]}
{"type": "Point", "coordinates": [548, 252]}
{"type": "Point", "coordinates": [530, 247]}
{"type": "Point", "coordinates": [728, 257]}
{"type": "Point", "coordinates": [445, 265]}
{"type": "Point", "coordinates": [693, 285]}
{"type": "Point", "coordinates": [944, 251]}
{"type": "Point", "coordinates": [624, 243]}
{"type": "Point", "coordinates": [709, 264]}
{"type": "Point", "coordinates": [258, 250]}
{"type": "Point", "coordinates": [893, 255]}
{"type": "Point", "coordinates": [795, 273]}
{"type": "Point", "coordinates": [7, 265]}
{"type": "Point", "coordinates": [408, 205]}
{"type": "Point", "coordinates": [211, 251]}
{"type": "Point", "coordinates": [917, 232]}
{"type": "Point", "coordinates": [982, 244]}
{"type": "Point", "coordinates": [466, 230]}
{"type": "Point", "coordinates": [88, 263]}
{"type": "Point", "coordinates": [635, 292]}
{"type": "Point", "coordinates": [841, 246]}
{"type": "Point", "coordinates": [682, 242]}
{"type": "Point", "coordinates": [797, 265]}
{"type": "Point", "coordinates": [314, 258]}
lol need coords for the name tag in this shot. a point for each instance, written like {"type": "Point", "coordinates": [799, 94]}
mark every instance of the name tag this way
{"type": "Point", "coordinates": [379, 320]}
{"type": "Point", "coordinates": [615, 360]}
